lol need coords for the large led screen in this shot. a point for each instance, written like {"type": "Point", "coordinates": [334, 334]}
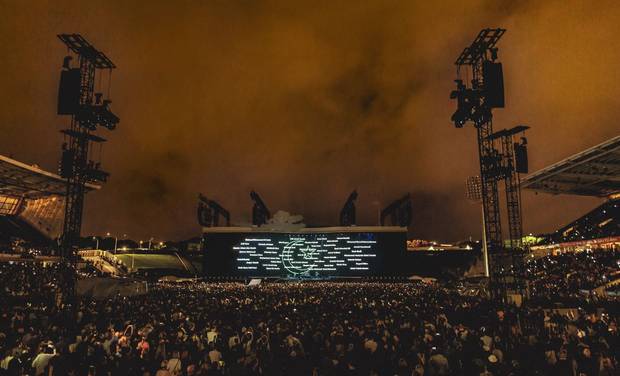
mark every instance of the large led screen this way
{"type": "Point", "coordinates": [301, 255]}
{"type": "Point", "coordinates": [306, 255]}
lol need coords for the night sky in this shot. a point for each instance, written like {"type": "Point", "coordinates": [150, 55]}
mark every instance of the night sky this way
{"type": "Point", "coordinates": [304, 101]}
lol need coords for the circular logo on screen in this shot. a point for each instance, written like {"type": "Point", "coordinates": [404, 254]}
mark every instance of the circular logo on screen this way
{"type": "Point", "coordinates": [298, 257]}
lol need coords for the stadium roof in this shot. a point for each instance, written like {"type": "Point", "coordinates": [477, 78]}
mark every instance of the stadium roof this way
{"type": "Point", "coordinates": [23, 180]}
{"type": "Point", "coordinates": [593, 172]}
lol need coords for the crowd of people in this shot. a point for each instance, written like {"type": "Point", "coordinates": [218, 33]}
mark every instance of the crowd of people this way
{"type": "Point", "coordinates": [574, 273]}
{"type": "Point", "coordinates": [310, 328]}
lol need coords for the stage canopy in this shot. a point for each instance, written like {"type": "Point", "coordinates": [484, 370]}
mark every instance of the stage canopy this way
{"type": "Point", "coordinates": [592, 172]}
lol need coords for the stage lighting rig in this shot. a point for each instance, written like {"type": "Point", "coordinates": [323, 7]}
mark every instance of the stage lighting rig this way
{"type": "Point", "coordinates": [88, 111]}
{"type": "Point", "coordinates": [95, 173]}
{"type": "Point", "coordinates": [486, 89]}
{"type": "Point", "coordinates": [466, 102]}
{"type": "Point", "coordinates": [475, 104]}
{"type": "Point", "coordinates": [95, 115]}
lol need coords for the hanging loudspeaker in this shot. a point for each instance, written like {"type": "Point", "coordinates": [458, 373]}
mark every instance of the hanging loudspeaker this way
{"type": "Point", "coordinates": [521, 158]}
{"type": "Point", "coordinates": [66, 164]}
{"type": "Point", "coordinates": [69, 92]}
{"type": "Point", "coordinates": [493, 84]}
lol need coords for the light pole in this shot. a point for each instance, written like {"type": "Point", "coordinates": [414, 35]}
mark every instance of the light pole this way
{"type": "Point", "coordinates": [125, 246]}
{"type": "Point", "coordinates": [115, 241]}
{"type": "Point", "coordinates": [474, 194]}
{"type": "Point", "coordinates": [485, 250]}
{"type": "Point", "coordinates": [97, 240]}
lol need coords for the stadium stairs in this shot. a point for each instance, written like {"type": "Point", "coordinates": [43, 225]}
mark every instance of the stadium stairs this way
{"type": "Point", "coordinates": [103, 261]}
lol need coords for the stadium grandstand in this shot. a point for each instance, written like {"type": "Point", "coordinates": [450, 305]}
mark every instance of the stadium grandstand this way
{"type": "Point", "coordinates": [594, 172]}
{"type": "Point", "coordinates": [31, 203]}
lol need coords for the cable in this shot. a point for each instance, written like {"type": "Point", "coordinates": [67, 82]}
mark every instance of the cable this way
{"type": "Point", "coordinates": [109, 81]}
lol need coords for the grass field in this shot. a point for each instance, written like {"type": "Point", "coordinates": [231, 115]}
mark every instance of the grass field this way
{"type": "Point", "coordinates": [152, 261]}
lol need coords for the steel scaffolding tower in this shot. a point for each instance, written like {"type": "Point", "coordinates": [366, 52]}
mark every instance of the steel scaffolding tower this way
{"type": "Point", "coordinates": [513, 184]}
{"type": "Point", "coordinates": [88, 111]}
{"type": "Point", "coordinates": [512, 258]}
{"type": "Point", "coordinates": [476, 101]}
{"type": "Point", "coordinates": [481, 50]}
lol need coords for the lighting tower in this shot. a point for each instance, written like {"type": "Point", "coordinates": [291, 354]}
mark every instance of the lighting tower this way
{"type": "Point", "coordinates": [399, 211]}
{"type": "Point", "coordinates": [347, 214]}
{"type": "Point", "coordinates": [260, 212]}
{"type": "Point", "coordinates": [475, 101]}
{"type": "Point", "coordinates": [88, 111]}
{"type": "Point", "coordinates": [209, 212]}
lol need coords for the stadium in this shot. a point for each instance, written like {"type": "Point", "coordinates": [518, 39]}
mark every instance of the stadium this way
{"type": "Point", "coordinates": [271, 295]}
{"type": "Point", "coordinates": [302, 270]}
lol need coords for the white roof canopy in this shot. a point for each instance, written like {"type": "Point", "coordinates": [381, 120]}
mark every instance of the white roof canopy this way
{"type": "Point", "coordinates": [593, 172]}
{"type": "Point", "coordinates": [23, 180]}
